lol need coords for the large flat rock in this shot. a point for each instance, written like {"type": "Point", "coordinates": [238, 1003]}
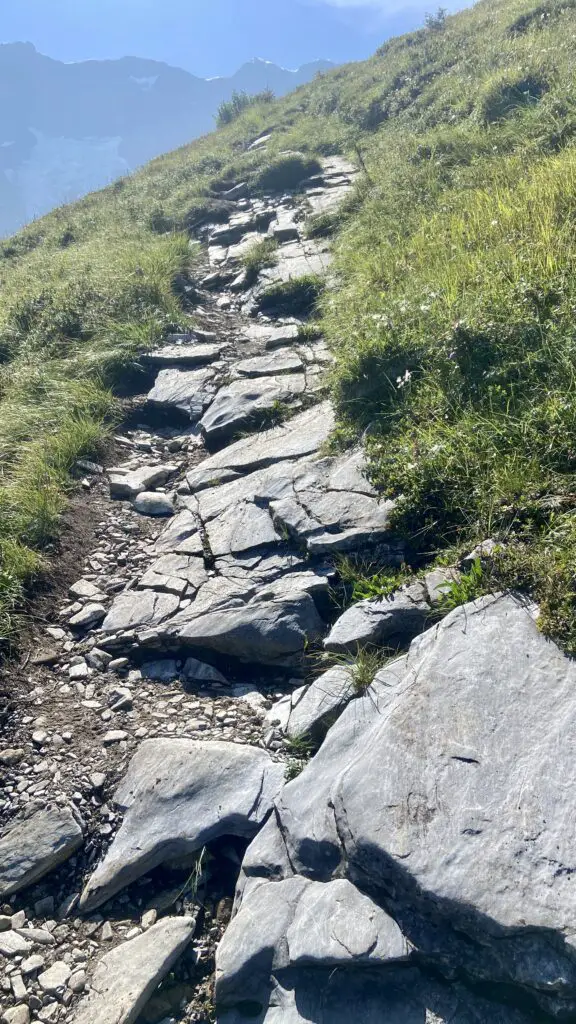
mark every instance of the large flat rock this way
{"type": "Point", "coordinates": [183, 355]}
{"type": "Point", "coordinates": [299, 922]}
{"type": "Point", "coordinates": [32, 847]}
{"type": "Point", "coordinates": [126, 977]}
{"type": "Point", "coordinates": [303, 435]}
{"type": "Point", "coordinates": [268, 624]}
{"type": "Point", "coordinates": [137, 608]}
{"type": "Point", "coordinates": [178, 795]}
{"type": "Point", "coordinates": [184, 391]}
{"type": "Point", "coordinates": [244, 402]}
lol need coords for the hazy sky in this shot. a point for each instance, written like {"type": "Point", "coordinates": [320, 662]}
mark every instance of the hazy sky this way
{"type": "Point", "coordinates": [210, 37]}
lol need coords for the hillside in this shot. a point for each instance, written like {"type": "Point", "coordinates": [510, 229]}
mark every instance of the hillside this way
{"type": "Point", "coordinates": [287, 537]}
{"type": "Point", "coordinates": [68, 129]}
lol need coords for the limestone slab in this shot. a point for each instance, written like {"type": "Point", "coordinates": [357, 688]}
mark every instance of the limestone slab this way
{"type": "Point", "coordinates": [32, 847]}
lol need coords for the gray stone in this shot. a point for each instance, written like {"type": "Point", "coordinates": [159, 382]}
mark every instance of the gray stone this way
{"type": "Point", "coordinates": [269, 627]}
{"type": "Point", "coordinates": [175, 572]}
{"type": "Point", "coordinates": [114, 736]}
{"type": "Point", "coordinates": [13, 944]}
{"type": "Point", "coordinates": [301, 922]}
{"type": "Point", "coordinates": [85, 588]}
{"type": "Point", "coordinates": [369, 995]}
{"type": "Point", "coordinates": [55, 978]}
{"type": "Point", "coordinates": [379, 621]}
{"type": "Point", "coordinates": [264, 366]}
{"type": "Point", "coordinates": [271, 335]}
{"type": "Point", "coordinates": [130, 484]}
{"type": "Point", "coordinates": [178, 795]}
{"type": "Point", "coordinates": [91, 615]}
{"type": "Point", "coordinates": [285, 228]}
{"type": "Point", "coordinates": [150, 504]}
{"type": "Point", "coordinates": [312, 709]}
{"type": "Point", "coordinates": [162, 671]}
{"type": "Point", "coordinates": [17, 1015]}
{"type": "Point", "coordinates": [32, 847]}
{"type": "Point", "coordinates": [294, 260]}
{"type": "Point", "coordinates": [137, 608]}
{"type": "Point", "coordinates": [185, 391]}
{"type": "Point", "coordinates": [126, 977]}
{"type": "Point", "coordinates": [198, 672]}
{"type": "Point", "coordinates": [246, 401]}
{"type": "Point", "coordinates": [298, 437]}
{"type": "Point", "coordinates": [183, 355]}
{"type": "Point", "coordinates": [240, 528]}
{"type": "Point", "coordinates": [437, 584]}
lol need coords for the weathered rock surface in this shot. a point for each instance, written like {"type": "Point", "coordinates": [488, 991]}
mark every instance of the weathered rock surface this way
{"type": "Point", "coordinates": [31, 848]}
{"type": "Point", "coordinates": [299, 922]}
{"type": "Point", "coordinates": [380, 621]}
{"type": "Point", "coordinates": [130, 483]}
{"type": "Point", "coordinates": [449, 806]}
{"type": "Point", "coordinates": [272, 336]}
{"type": "Point", "coordinates": [183, 355]}
{"type": "Point", "coordinates": [138, 608]}
{"type": "Point", "coordinates": [312, 709]}
{"type": "Point", "coordinates": [295, 439]}
{"type": "Point", "coordinates": [245, 400]}
{"type": "Point", "coordinates": [126, 977]}
{"type": "Point", "coordinates": [263, 366]}
{"type": "Point", "coordinates": [178, 795]}
{"type": "Point", "coordinates": [185, 391]}
{"type": "Point", "coordinates": [381, 995]}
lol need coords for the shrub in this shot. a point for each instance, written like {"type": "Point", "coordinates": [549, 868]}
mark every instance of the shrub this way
{"type": "Point", "coordinates": [230, 110]}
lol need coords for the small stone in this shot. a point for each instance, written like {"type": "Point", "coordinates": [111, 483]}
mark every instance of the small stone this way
{"type": "Point", "coordinates": [32, 963]}
{"type": "Point", "coordinates": [44, 907]}
{"type": "Point", "coordinates": [99, 659]}
{"type": "Point", "coordinates": [149, 918]}
{"type": "Point", "coordinates": [55, 978]}
{"type": "Point", "coordinates": [90, 615]}
{"type": "Point", "coordinates": [106, 933]}
{"type": "Point", "coordinates": [17, 1015]}
{"type": "Point", "coordinates": [97, 780]}
{"type": "Point", "coordinates": [114, 736]}
{"type": "Point", "coordinates": [11, 944]}
{"type": "Point", "coordinates": [18, 987]}
{"type": "Point", "coordinates": [41, 936]}
{"type": "Point", "coordinates": [56, 632]}
{"type": "Point", "coordinates": [118, 664]}
{"type": "Point", "coordinates": [11, 756]}
{"type": "Point", "coordinates": [79, 671]}
{"type": "Point", "coordinates": [39, 737]}
{"type": "Point", "coordinates": [19, 919]}
{"type": "Point", "coordinates": [77, 982]}
{"type": "Point", "coordinates": [133, 933]}
{"type": "Point", "coordinates": [5, 923]}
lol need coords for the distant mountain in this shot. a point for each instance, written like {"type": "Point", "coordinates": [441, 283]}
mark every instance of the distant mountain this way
{"type": "Point", "coordinates": [67, 129]}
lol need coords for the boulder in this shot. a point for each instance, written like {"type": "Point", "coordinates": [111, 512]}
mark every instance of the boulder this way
{"type": "Point", "coordinates": [246, 402]}
{"type": "Point", "coordinates": [32, 847]}
{"type": "Point", "coordinates": [298, 437]}
{"type": "Point", "coordinates": [178, 795]}
{"type": "Point", "coordinates": [89, 616]}
{"type": "Point", "coordinates": [297, 922]}
{"type": "Point", "coordinates": [310, 710]}
{"type": "Point", "coordinates": [449, 805]}
{"type": "Point", "coordinates": [150, 504]}
{"type": "Point", "coordinates": [126, 977]}
{"type": "Point", "coordinates": [379, 621]}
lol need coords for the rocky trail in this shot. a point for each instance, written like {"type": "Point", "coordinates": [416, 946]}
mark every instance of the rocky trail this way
{"type": "Point", "coordinates": [419, 868]}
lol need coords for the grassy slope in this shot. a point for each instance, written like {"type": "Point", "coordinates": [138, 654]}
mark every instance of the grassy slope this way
{"type": "Point", "coordinates": [452, 323]}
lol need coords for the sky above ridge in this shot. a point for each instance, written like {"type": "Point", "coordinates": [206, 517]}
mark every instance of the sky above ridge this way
{"type": "Point", "coordinates": [210, 37]}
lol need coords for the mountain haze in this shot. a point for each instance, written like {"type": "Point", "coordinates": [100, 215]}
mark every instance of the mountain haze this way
{"type": "Point", "coordinates": [68, 129]}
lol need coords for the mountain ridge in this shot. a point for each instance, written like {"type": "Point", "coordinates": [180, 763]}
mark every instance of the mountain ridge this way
{"type": "Point", "coordinates": [71, 128]}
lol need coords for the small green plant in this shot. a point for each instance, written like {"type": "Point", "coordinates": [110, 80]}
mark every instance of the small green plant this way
{"type": "Point", "coordinates": [367, 580]}
{"type": "Point", "coordinates": [301, 749]}
{"type": "Point", "coordinates": [468, 587]}
{"type": "Point", "coordinates": [259, 256]}
{"type": "Point", "coordinates": [286, 173]}
{"type": "Point", "coordinates": [322, 225]}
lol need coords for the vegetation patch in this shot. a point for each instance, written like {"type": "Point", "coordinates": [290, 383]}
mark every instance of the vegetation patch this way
{"type": "Point", "coordinates": [286, 173]}
{"type": "Point", "coordinates": [296, 297]}
{"type": "Point", "coordinates": [259, 256]}
{"type": "Point", "coordinates": [230, 110]}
